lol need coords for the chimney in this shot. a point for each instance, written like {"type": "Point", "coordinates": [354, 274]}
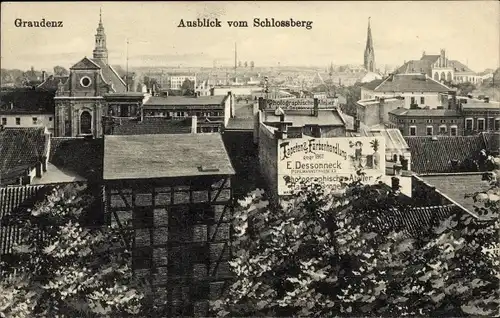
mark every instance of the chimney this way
{"type": "Point", "coordinates": [395, 184]}
{"type": "Point", "coordinates": [11, 105]}
{"type": "Point", "coordinates": [212, 91]}
{"type": "Point", "coordinates": [486, 99]}
{"type": "Point", "coordinates": [381, 110]}
{"type": "Point", "coordinates": [357, 124]}
{"type": "Point", "coordinates": [194, 124]}
{"type": "Point", "coordinates": [262, 105]}
{"type": "Point", "coordinates": [44, 163]}
{"type": "Point", "coordinates": [316, 107]}
{"type": "Point", "coordinates": [43, 76]}
{"type": "Point", "coordinates": [454, 164]}
{"type": "Point", "coordinates": [39, 169]}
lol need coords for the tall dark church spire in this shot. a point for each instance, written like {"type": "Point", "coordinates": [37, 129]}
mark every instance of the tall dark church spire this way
{"type": "Point", "coordinates": [369, 52]}
{"type": "Point", "coordinates": [100, 51]}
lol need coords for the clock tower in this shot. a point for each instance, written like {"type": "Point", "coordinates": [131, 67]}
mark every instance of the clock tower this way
{"type": "Point", "coordinates": [100, 51]}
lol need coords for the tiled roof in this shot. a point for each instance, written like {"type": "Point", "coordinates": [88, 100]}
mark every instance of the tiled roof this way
{"type": "Point", "coordinates": [415, 221]}
{"type": "Point", "coordinates": [185, 101]}
{"type": "Point", "coordinates": [16, 200]}
{"type": "Point", "coordinates": [430, 58]}
{"type": "Point", "coordinates": [434, 154]}
{"type": "Point", "coordinates": [492, 140]}
{"type": "Point", "coordinates": [52, 82]}
{"type": "Point", "coordinates": [240, 124]}
{"type": "Point", "coordinates": [425, 112]}
{"type": "Point", "coordinates": [151, 125]}
{"type": "Point", "coordinates": [21, 149]}
{"type": "Point", "coordinates": [27, 101]}
{"type": "Point", "coordinates": [80, 156]}
{"type": "Point", "coordinates": [165, 156]}
{"type": "Point", "coordinates": [459, 67]}
{"type": "Point", "coordinates": [479, 104]}
{"type": "Point", "coordinates": [415, 66]}
{"type": "Point", "coordinates": [111, 76]}
{"type": "Point", "coordinates": [411, 83]}
{"type": "Point", "coordinates": [373, 84]}
{"type": "Point", "coordinates": [456, 186]}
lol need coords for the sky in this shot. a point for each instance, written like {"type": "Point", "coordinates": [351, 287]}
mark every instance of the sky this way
{"type": "Point", "coordinates": [402, 30]}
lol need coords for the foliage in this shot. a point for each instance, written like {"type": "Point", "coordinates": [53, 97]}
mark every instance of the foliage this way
{"type": "Point", "coordinates": [73, 271]}
{"type": "Point", "coordinates": [322, 253]}
{"type": "Point", "coordinates": [60, 71]}
{"type": "Point", "coordinates": [187, 88]}
{"type": "Point", "coordinates": [252, 64]}
{"type": "Point", "coordinates": [464, 89]}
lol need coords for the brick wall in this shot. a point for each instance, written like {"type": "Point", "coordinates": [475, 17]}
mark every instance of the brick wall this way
{"type": "Point", "coordinates": [268, 156]}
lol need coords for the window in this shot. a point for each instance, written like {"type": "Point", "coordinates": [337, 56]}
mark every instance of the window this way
{"type": "Point", "coordinates": [85, 123]}
{"type": "Point", "coordinates": [497, 124]}
{"type": "Point", "coordinates": [180, 114]}
{"type": "Point", "coordinates": [85, 81]}
{"type": "Point", "coordinates": [480, 123]}
{"type": "Point", "coordinates": [453, 121]}
{"type": "Point", "coordinates": [422, 100]}
{"type": "Point", "coordinates": [412, 100]}
{"type": "Point", "coordinates": [18, 121]}
{"type": "Point", "coordinates": [35, 120]}
{"type": "Point", "coordinates": [216, 129]}
{"type": "Point", "coordinates": [469, 124]}
{"type": "Point", "coordinates": [443, 121]}
{"type": "Point", "coordinates": [428, 130]}
{"type": "Point", "coordinates": [413, 130]}
{"type": "Point", "coordinates": [50, 118]}
{"type": "Point", "coordinates": [429, 121]}
{"type": "Point", "coordinates": [412, 121]}
{"type": "Point", "coordinates": [4, 121]}
{"type": "Point", "coordinates": [442, 129]}
{"type": "Point", "coordinates": [453, 130]}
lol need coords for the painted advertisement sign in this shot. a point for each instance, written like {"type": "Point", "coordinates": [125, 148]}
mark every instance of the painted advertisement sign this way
{"type": "Point", "coordinates": [301, 103]}
{"type": "Point", "coordinates": [330, 159]}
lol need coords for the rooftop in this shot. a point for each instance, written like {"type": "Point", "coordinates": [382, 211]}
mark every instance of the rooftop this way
{"type": "Point", "coordinates": [425, 112]}
{"type": "Point", "coordinates": [301, 118]}
{"type": "Point", "coordinates": [456, 186]}
{"type": "Point", "coordinates": [165, 156]}
{"type": "Point", "coordinates": [411, 83]}
{"type": "Point", "coordinates": [434, 154]}
{"type": "Point", "coordinates": [21, 149]}
{"type": "Point", "coordinates": [185, 101]}
{"type": "Point", "coordinates": [240, 124]}
{"type": "Point", "coordinates": [394, 140]}
{"type": "Point", "coordinates": [152, 125]}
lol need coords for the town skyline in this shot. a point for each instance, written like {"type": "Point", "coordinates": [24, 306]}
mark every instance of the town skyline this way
{"type": "Point", "coordinates": [469, 35]}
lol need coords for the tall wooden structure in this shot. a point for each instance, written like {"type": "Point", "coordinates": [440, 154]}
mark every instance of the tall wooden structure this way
{"type": "Point", "coordinates": [173, 193]}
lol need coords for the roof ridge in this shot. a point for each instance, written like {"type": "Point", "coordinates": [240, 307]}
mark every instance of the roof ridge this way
{"type": "Point", "coordinates": [116, 73]}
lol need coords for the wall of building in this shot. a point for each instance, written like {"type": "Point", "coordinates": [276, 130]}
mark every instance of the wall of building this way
{"type": "Point", "coordinates": [268, 156]}
{"type": "Point", "coordinates": [421, 123]}
{"type": "Point", "coordinates": [490, 119]}
{"type": "Point", "coordinates": [236, 90]}
{"type": "Point", "coordinates": [27, 120]}
{"type": "Point", "coordinates": [69, 112]}
{"type": "Point", "coordinates": [432, 100]}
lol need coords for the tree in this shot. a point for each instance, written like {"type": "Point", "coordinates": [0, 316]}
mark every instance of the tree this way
{"type": "Point", "coordinates": [60, 71]}
{"type": "Point", "coordinates": [73, 271]}
{"type": "Point", "coordinates": [246, 64]}
{"type": "Point", "coordinates": [464, 89]}
{"type": "Point", "coordinates": [323, 253]}
{"type": "Point", "coordinates": [187, 88]}
{"type": "Point", "coordinates": [239, 64]}
{"type": "Point", "coordinates": [252, 64]}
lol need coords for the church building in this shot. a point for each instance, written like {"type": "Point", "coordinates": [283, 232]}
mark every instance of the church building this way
{"type": "Point", "coordinates": [369, 52]}
{"type": "Point", "coordinates": [81, 101]}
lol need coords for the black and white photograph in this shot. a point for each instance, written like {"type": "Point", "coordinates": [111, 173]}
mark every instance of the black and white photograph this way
{"type": "Point", "coordinates": [250, 159]}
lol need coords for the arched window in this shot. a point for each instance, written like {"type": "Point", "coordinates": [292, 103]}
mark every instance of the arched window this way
{"type": "Point", "coordinates": [85, 123]}
{"type": "Point", "coordinates": [443, 76]}
{"type": "Point", "coordinates": [436, 76]}
{"type": "Point", "coordinates": [449, 77]}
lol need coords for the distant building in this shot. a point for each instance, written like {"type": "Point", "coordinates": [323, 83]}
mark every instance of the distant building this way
{"type": "Point", "coordinates": [212, 112]}
{"type": "Point", "coordinates": [440, 68]}
{"type": "Point", "coordinates": [375, 111]}
{"type": "Point", "coordinates": [418, 90]}
{"type": "Point", "coordinates": [176, 80]}
{"type": "Point", "coordinates": [369, 61]}
{"type": "Point", "coordinates": [93, 84]}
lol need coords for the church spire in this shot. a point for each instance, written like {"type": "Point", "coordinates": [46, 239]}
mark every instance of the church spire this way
{"type": "Point", "coordinates": [369, 52]}
{"type": "Point", "coordinates": [100, 51]}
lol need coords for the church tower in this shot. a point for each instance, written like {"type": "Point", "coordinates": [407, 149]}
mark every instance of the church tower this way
{"type": "Point", "coordinates": [369, 52]}
{"type": "Point", "coordinates": [100, 52]}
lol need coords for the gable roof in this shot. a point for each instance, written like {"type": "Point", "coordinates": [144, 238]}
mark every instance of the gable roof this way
{"type": "Point", "coordinates": [164, 156]}
{"type": "Point", "coordinates": [434, 154]}
{"type": "Point", "coordinates": [163, 101]}
{"type": "Point", "coordinates": [52, 82]}
{"type": "Point", "coordinates": [415, 66]}
{"type": "Point", "coordinates": [21, 149]}
{"type": "Point", "coordinates": [110, 76]}
{"type": "Point", "coordinates": [411, 83]}
{"type": "Point", "coordinates": [27, 101]}
{"type": "Point", "coordinates": [459, 67]}
{"type": "Point", "coordinates": [431, 58]}
{"type": "Point", "coordinates": [85, 64]}
{"type": "Point", "coordinates": [425, 112]}
{"type": "Point", "coordinates": [373, 84]}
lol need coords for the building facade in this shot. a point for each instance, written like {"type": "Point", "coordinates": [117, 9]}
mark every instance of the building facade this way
{"type": "Point", "coordinates": [427, 122]}
{"type": "Point", "coordinates": [79, 102]}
